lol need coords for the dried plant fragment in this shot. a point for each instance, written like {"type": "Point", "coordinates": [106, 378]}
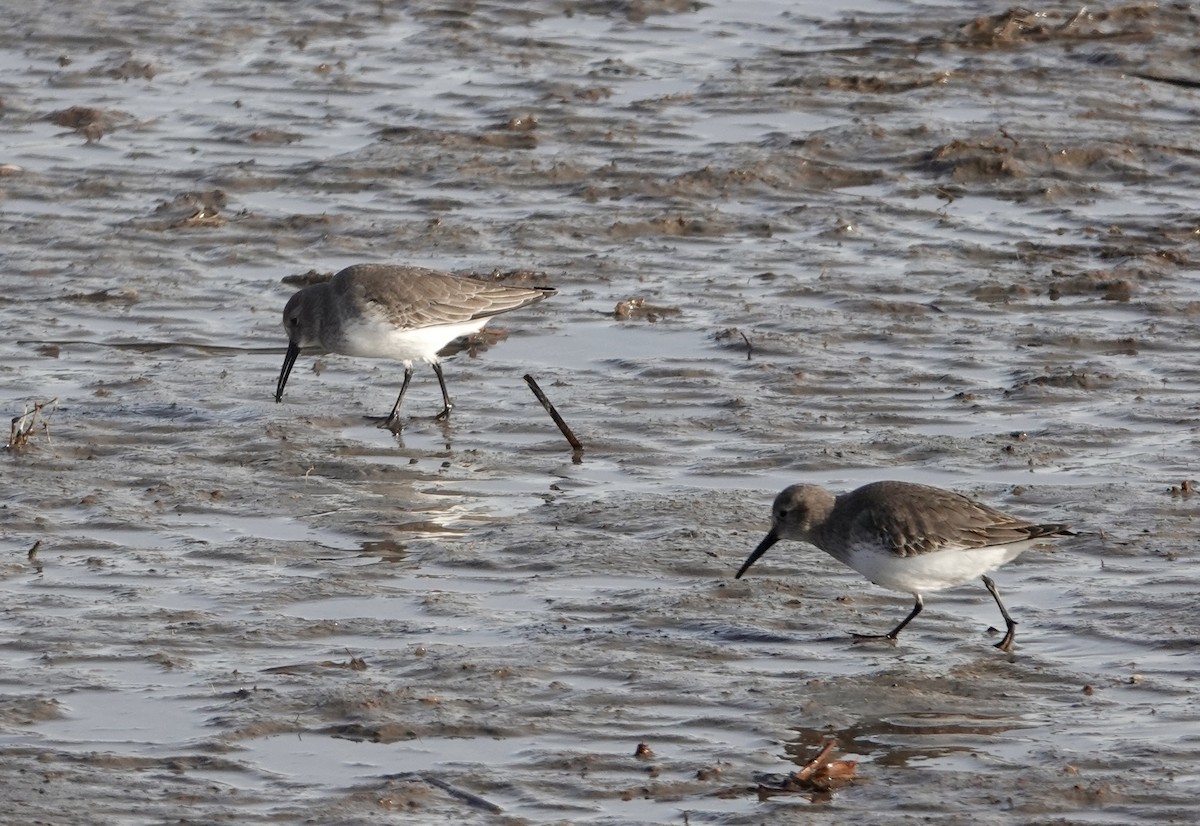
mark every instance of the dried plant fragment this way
{"type": "Point", "coordinates": [29, 422]}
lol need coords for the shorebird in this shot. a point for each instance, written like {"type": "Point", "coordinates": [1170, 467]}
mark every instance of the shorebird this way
{"type": "Point", "coordinates": [394, 312]}
{"type": "Point", "coordinates": [906, 537]}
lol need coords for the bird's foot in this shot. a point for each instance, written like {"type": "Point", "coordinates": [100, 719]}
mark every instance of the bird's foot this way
{"type": "Point", "coordinates": [1006, 644]}
{"type": "Point", "coordinates": [392, 423]}
{"type": "Point", "coordinates": [861, 638]}
{"type": "Point", "coordinates": [445, 414]}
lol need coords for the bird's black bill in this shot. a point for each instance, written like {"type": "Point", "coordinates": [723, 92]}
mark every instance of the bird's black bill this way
{"type": "Point", "coordinates": [293, 352]}
{"type": "Point", "coordinates": [769, 540]}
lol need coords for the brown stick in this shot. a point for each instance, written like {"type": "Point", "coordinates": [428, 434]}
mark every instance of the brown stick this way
{"type": "Point", "coordinates": [558, 420]}
{"type": "Point", "coordinates": [749, 346]}
{"type": "Point", "coordinates": [33, 557]}
{"type": "Point", "coordinates": [470, 798]}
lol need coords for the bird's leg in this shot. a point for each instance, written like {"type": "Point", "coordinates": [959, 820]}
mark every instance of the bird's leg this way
{"type": "Point", "coordinates": [391, 417]}
{"type": "Point", "coordinates": [447, 405]}
{"type": "Point", "coordinates": [1006, 643]}
{"type": "Point", "coordinates": [891, 635]}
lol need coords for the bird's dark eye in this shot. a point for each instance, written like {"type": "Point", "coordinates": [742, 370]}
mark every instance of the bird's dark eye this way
{"type": "Point", "coordinates": [782, 513]}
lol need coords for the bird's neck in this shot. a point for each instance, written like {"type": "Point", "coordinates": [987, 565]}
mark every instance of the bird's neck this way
{"type": "Point", "coordinates": [820, 532]}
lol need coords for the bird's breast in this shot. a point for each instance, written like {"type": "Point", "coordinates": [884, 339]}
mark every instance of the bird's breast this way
{"type": "Point", "coordinates": [373, 338]}
{"type": "Point", "coordinates": [928, 572]}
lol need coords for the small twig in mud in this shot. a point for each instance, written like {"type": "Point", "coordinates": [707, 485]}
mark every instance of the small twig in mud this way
{"type": "Point", "coordinates": [749, 346]}
{"type": "Point", "coordinates": [729, 333]}
{"type": "Point", "coordinates": [32, 556]}
{"type": "Point", "coordinates": [948, 194]}
{"type": "Point", "coordinates": [1182, 82]}
{"type": "Point", "coordinates": [469, 798]}
{"type": "Point", "coordinates": [24, 425]}
{"type": "Point", "coordinates": [1075, 18]}
{"type": "Point", "coordinates": [558, 420]}
{"type": "Point", "coordinates": [1004, 133]}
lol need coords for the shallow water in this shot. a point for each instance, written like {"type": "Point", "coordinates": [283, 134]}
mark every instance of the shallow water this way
{"type": "Point", "coordinates": [938, 242]}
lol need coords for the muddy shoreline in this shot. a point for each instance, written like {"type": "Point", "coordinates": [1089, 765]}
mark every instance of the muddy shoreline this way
{"type": "Point", "coordinates": [942, 243]}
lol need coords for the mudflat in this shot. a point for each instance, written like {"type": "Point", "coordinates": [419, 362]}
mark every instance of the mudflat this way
{"type": "Point", "coordinates": [950, 244]}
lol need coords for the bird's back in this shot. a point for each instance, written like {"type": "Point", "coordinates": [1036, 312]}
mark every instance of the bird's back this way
{"type": "Point", "coordinates": [907, 519]}
{"type": "Point", "coordinates": [415, 297]}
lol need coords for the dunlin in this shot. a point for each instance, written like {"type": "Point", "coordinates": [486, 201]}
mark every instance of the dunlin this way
{"type": "Point", "coordinates": [906, 537]}
{"type": "Point", "coordinates": [403, 313]}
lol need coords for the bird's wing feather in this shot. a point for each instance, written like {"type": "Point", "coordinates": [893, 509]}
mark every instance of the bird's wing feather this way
{"type": "Point", "coordinates": [931, 519]}
{"type": "Point", "coordinates": [412, 297]}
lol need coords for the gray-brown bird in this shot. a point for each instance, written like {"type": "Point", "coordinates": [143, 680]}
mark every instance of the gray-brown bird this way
{"type": "Point", "coordinates": [395, 312]}
{"type": "Point", "coordinates": [906, 537]}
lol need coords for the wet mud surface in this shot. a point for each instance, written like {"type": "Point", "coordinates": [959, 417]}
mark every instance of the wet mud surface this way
{"type": "Point", "coordinates": [949, 243]}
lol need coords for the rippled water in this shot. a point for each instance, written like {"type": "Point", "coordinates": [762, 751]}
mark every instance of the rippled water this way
{"type": "Point", "coordinates": [944, 243]}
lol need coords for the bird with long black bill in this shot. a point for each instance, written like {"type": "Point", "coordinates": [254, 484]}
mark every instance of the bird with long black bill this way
{"type": "Point", "coordinates": [395, 312]}
{"type": "Point", "coordinates": [906, 537]}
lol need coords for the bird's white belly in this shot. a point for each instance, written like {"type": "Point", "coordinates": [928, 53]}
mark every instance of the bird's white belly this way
{"type": "Point", "coordinates": [924, 573]}
{"type": "Point", "coordinates": [378, 339]}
